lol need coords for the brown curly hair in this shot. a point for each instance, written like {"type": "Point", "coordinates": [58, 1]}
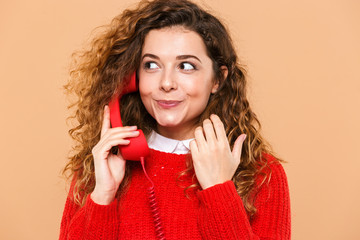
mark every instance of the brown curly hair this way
{"type": "Point", "coordinates": [97, 74]}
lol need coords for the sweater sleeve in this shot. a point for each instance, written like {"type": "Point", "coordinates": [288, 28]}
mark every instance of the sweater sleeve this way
{"type": "Point", "coordinates": [91, 221]}
{"type": "Point", "coordinates": [222, 214]}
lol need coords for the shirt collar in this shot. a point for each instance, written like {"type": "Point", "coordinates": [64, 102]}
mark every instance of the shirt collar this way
{"type": "Point", "coordinates": [168, 145]}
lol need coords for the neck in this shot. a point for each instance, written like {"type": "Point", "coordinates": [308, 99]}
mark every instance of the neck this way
{"type": "Point", "coordinates": [177, 133]}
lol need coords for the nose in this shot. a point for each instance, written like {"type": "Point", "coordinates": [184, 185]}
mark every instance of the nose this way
{"type": "Point", "coordinates": [168, 81]}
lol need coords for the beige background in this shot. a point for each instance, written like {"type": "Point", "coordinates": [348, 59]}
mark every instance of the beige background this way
{"type": "Point", "coordinates": [303, 59]}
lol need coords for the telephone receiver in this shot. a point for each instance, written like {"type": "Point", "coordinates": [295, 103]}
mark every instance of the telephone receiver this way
{"type": "Point", "coordinates": [138, 148]}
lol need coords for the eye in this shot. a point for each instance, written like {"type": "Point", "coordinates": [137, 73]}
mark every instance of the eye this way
{"type": "Point", "coordinates": [151, 65]}
{"type": "Point", "coordinates": [187, 66]}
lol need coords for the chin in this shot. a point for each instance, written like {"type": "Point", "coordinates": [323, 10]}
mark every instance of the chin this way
{"type": "Point", "coordinates": [169, 124]}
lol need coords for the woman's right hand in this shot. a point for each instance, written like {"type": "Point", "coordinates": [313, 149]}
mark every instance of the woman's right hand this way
{"type": "Point", "coordinates": [109, 167]}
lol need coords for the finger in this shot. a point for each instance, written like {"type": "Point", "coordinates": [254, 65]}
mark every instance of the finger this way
{"type": "Point", "coordinates": [112, 139]}
{"type": "Point", "coordinates": [193, 147]}
{"type": "Point", "coordinates": [124, 135]}
{"type": "Point", "coordinates": [236, 152]}
{"type": "Point", "coordinates": [209, 132]}
{"type": "Point", "coordinates": [106, 121]}
{"type": "Point", "coordinates": [112, 143]}
{"type": "Point", "coordinates": [119, 130]}
{"type": "Point", "coordinates": [200, 138]}
{"type": "Point", "coordinates": [219, 128]}
{"type": "Point", "coordinates": [120, 134]}
{"type": "Point", "coordinates": [102, 151]}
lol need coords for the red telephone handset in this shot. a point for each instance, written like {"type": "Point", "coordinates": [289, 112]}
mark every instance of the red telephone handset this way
{"type": "Point", "coordinates": [137, 148]}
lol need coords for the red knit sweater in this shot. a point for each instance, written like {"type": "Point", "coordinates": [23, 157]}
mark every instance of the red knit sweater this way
{"type": "Point", "coordinates": [214, 213]}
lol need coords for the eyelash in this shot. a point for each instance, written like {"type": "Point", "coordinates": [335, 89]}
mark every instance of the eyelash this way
{"type": "Point", "coordinates": [192, 65]}
{"type": "Point", "coordinates": [180, 66]}
{"type": "Point", "coordinates": [147, 65]}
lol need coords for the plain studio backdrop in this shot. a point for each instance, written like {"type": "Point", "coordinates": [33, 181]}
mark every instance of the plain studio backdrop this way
{"type": "Point", "coordinates": [303, 62]}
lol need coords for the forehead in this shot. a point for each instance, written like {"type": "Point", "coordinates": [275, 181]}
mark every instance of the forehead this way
{"type": "Point", "coordinates": [174, 40]}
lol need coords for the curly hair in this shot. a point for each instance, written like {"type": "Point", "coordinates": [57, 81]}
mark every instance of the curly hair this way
{"type": "Point", "coordinates": [98, 73]}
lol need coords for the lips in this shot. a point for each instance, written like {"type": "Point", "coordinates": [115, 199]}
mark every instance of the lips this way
{"type": "Point", "coordinates": [168, 103]}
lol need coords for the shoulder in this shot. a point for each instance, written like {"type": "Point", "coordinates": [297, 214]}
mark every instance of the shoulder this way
{"type": "Point", "coordinates": [271, 177]}
{"type": "Point", "coordinates": [272, 202]}
{"type": "Point", "coordinates": [272, 166]}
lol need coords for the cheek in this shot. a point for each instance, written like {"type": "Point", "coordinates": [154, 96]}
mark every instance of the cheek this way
{"type": "Point", "coordinates": [145, 88]}
{"type": "Point", "coordinates": [199, 89]}
{"type": "Point", "coordinates": [146, 95]}
{"type": "Point", "coordinates": [198, 100]}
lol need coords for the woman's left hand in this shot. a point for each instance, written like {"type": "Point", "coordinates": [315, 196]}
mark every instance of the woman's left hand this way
{"type": "Point", "coordinates": [213, 160]}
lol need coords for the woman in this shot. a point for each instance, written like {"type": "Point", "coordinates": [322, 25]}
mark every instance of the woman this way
{"type": "Point", "coordinates": [214, 175]}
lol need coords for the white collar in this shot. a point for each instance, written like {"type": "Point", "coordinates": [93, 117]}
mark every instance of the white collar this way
{"type": "Point", "coordinates": [164, 144]}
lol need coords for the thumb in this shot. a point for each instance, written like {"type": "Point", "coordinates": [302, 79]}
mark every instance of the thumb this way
{"type": "Point", "coordinates": [236, 152]}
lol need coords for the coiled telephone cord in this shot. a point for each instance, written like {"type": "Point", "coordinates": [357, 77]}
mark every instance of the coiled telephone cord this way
{"type": "Point", "coordinates": [154, 206]}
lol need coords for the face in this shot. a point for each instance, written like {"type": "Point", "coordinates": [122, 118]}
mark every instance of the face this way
{"type": "Point", "coordinates": [176, 79]}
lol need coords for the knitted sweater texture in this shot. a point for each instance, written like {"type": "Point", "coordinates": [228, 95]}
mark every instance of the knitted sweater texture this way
{"type": "Point", "coordinates": [214, 213]}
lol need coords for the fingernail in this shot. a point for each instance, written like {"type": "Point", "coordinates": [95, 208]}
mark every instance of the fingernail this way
{"type": "Point", "coordinates": [244, 137]}
{"type": "Point", "coordinates": [133, 127]}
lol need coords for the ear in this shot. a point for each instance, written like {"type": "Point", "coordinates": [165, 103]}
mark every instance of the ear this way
{"type": "Point", "coordinates": [225, 72]}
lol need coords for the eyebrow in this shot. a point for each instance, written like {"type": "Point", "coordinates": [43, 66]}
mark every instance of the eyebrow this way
{"type": "Point", "coordinates": [180, 57]}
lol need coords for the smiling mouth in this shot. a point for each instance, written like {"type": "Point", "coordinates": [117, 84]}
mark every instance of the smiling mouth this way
{"type": "Point", "coordinates": [168, 104]}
